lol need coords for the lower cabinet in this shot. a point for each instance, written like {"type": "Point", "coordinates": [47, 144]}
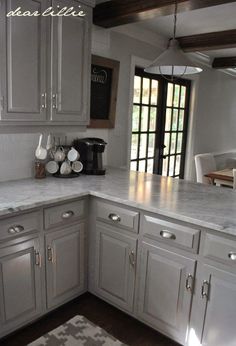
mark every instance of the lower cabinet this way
{"type": "Point", "coordinates": [115, 266]}
{"type": "Point", "coordinates": [65, 251]}
{"type": "Point", "coordinates": [214, 313]}
{"type": "Point", "coordinates": [165, 290]}
{"type": "Point", "coordinates": [20, 284]}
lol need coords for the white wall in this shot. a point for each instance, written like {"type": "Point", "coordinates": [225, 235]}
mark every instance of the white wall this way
{"type": "Point", "coordinates": [214, 116]}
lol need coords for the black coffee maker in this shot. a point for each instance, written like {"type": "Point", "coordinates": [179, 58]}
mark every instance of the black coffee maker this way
{"type": "Point", "coordinates": [91, 151]}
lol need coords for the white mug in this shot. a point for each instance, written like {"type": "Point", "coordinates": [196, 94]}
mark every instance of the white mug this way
{"type": "Point", "coordinates": [77, 166]}
{"type": "Point", "coordinates": [65, 168]}
{"type": "Point", "coordinates": [73, 155]}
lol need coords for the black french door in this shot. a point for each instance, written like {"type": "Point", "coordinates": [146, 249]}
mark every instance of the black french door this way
{"type": "Point", "coordinates": [159, 124]}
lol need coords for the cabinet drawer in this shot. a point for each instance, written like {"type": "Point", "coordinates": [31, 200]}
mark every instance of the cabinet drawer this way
{"type": "Point", "coordinates": [220, 249]}
{"type": "Point", "coordinates": [20, 224]}
{"type": "Point", "coordinates": [171, 233]}
{"type": "Point", "coordinates": [63, 214]}
{"type": "Point", "coordinates": [119, 217]}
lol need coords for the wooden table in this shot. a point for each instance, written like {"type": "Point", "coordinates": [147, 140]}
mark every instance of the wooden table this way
{"type": "Point", "coordinates": [223, 177]}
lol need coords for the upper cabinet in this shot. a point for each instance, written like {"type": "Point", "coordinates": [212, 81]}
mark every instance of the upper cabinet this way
{"type": "Point", "coordinates": [70, 66]}
{"type": "Point", "coordinates": [23, 63]}
{"type": "Point", "coordinates": [45, 64]}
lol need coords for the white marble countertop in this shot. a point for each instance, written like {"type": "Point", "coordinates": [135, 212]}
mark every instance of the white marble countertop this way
{"type": "Point", "coordinates": [202, 205]}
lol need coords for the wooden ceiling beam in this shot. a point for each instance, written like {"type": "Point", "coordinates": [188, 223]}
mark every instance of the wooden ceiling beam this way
{"type": "Point", "coordinates": [208, 41]}
{"type": "Point", "coordinates": [119, 12]}
{"type": "Point", "coordinates": [224, 62]}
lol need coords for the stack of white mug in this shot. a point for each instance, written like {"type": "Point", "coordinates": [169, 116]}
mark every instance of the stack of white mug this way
{"type": "Point", "coordinates": [64, 161]}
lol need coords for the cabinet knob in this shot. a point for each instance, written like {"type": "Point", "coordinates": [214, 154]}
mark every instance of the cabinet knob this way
{"type": "Point", "coordinates": [167, 235]}
{"type": "Point", "coordinates": [114, 217]}
{"type": "Point", "coordinates": [15, 229]}
{"type": "Point", "coordinates": [67, 214]}
{"type": "Point", "coordinates": [232, 256]}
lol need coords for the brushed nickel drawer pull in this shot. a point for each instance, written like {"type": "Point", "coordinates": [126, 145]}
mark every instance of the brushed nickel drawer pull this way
{"type": "Point", "coordinates": [232, 256]}
{"type": "Point", "coordinates": [167, 235]}
{"type": "Point", "coordinates": [67, 214]}
{"type": "Point", "coordinates": [50, 254]}
{"type": "Point", "coordinates": [114, 217]}
{"type": "Point", "coordinates": [132, 258]}
{"type": "Point", "coordinates": [15, 229]}
{"type": "Point", "coordinates": [205, 289]}
{"type": "Point", "coordinates": [189, 283]}
{"type": "Point", "coordinates": [37, 258]}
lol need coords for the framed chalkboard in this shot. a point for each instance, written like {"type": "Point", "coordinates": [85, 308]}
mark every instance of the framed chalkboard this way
{"type": "Point", "coordinates": [104, 85]}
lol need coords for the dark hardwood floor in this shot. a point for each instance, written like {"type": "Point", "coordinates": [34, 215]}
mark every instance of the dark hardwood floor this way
{"type": "Point", "coordinates": [123, 327]}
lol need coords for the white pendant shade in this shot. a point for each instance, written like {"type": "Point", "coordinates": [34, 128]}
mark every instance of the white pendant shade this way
{"type": "Point", "coordinates": [173, 62]}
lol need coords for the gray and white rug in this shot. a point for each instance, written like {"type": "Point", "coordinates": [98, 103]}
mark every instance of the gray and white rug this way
{"type": "Point", "coordinates": [77, 332]}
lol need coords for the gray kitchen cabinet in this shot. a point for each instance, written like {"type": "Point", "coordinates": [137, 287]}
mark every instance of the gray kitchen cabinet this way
{"type": "Point", "coordinates": [23, 63]}
{"type": "Point", "coordinates": [45, 64]}
{"type": "Point", "coordinates": [115, 266]}
{"type": "Point", "coordinates": [214, 313]}
{"type": "Point", "coordinates": [20, 284]}
{"type": "Point", "coordinates": [70, 65]}
{"type": "Point", "coordinates": [65, 264]}
{"type": "Point", "coordinates": [165, 290]}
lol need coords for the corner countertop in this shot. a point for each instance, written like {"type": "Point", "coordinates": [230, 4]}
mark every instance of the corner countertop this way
{"type": "Point", "coordinates": [202, 205]}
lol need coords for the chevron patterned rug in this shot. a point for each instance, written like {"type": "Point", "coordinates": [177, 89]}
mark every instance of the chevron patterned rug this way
{"type": "Point", "coordinates": [77, 332]}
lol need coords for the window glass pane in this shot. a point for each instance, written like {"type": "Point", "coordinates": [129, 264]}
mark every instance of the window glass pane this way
{"type": "Point", "coordinates": [143, 146]}
{"type": "Point", "coordinates": [173, 143]}
{"type": "Point", "coordinates": [144, 119]}
{"type": "Point", "coordinates": [168, 119]}
{"type": "Point", "coordinates": [135, 118]}
{"type": "Point", "coordinates": [171, 166]}
{"type": "Point", "coordinates": [133, 165]}
{"type": "Point", "coordinates": [154, 92]}
{"type": "Point", "coordinates": [165, 167]}
{"type": "Point", "coordinates": [170, 95]}
{"type": "Point", "coordinates": [176, 95]}
{"type": "Point", "coordinates": [166, 143]}
{"type": "Point", "coordinates": [183, 96]}
{"type": "Point", "coordinates": [137, 89]}
{"type": "Point", "coordinates": [153, 117]}
{"type": "Point", "coordinates": [175, 120]}
{"type": "Point", "coordinates": [142, 165]}
{"type": "Point", "coordinates": [134, 147]}
{"type": "Point", "coordinates": [181, 120]}
{"type": "Point", "coordinates": [150, 164]}
{"type": "Point", "coordinates": [151, 144]}
{"type": "Point", "coordinates": [146, 90]}
{"type": "Point", "coordinates": [177, 165]}
{"type": "Point", "coordinates": [179, 142]}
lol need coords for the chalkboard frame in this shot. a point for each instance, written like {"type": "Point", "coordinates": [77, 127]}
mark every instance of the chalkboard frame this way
{"type": "Point", "coordinates": [115, 66]}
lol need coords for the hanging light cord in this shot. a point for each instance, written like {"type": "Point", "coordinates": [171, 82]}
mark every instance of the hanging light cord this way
{"type": "Point", "coordinates": [175, 19]}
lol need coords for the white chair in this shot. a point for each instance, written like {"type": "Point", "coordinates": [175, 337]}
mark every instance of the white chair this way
{"type": "Point", "coordinates": [205, 163]}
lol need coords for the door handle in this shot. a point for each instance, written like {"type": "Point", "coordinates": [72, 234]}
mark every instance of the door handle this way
{"type": "Point", "coordinates": [205, 289]}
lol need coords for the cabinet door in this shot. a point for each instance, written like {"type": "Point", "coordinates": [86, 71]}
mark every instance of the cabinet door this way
{"type": "Point", "coordinates": [23, 62]}
{"type": "Point", "coordinates": [215, 299]}
{"type": "Point", "coordinates": [164, 301]}
{"type": "Point", "coordinates": [65, 264]}
{"type": "Point", "coordinates": [20, 284]}
{"type": "Point", "coordinates": [115, 267]}
{"type": "Point", "coordinates": [70, 65]}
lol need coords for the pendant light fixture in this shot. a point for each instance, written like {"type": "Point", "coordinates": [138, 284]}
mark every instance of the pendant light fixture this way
{"type": "Point", "coordinates": [173, 61]}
